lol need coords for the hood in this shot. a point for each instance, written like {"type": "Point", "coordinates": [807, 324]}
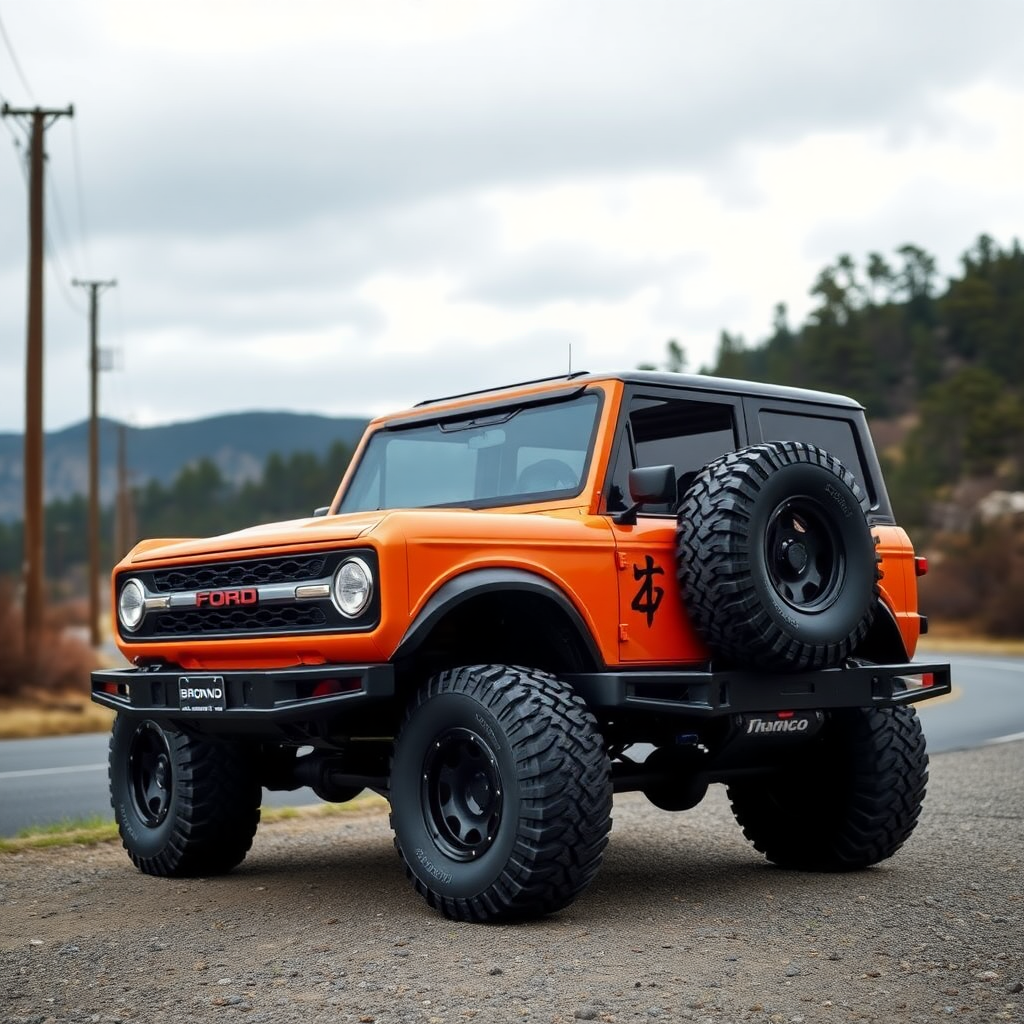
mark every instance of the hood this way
{"type": "Point", "coordinates": [315, 532]}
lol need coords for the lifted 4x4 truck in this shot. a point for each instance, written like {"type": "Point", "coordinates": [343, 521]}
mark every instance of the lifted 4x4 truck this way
{"type": "Point", "coordinates": [520, 602]}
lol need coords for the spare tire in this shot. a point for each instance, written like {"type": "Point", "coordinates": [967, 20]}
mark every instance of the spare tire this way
{"type": "Point", "coordinates": [776, 560]}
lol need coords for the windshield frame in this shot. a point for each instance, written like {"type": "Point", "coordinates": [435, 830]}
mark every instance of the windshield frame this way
{"type": "Point", "coordinates": [508, 418]}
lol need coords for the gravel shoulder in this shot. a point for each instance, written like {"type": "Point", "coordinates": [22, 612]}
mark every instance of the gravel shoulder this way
{"type": "Point", "coordinates": [685, 922]}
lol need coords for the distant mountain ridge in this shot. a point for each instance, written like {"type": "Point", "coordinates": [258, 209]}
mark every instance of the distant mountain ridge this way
{"type": "Point", "coordinates": [239, 444]}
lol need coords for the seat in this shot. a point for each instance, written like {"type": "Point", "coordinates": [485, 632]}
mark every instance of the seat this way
{"type": "Point", "coordinates": [546, 475]}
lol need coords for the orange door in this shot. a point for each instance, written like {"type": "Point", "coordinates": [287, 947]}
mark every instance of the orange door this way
{"type": "Point", "coordinates": [653, 626]}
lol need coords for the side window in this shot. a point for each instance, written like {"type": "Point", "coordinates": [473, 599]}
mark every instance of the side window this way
{"type": "Point", "coordinates": [670, 431]}
{"type": "Point", "coordinates": [837, 436]}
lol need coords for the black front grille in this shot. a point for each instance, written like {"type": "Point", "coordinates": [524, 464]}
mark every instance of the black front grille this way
{"type": "Point", "coordinates": [277, 612]}
{"type": "Point", "coordinates": [286, 618]}
{"type": "Point", "coordinates": [246, 573]}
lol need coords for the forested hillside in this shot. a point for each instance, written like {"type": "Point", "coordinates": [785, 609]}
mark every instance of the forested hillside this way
{"type": "Point", "coordinates": [239, 444]}
{"type": "Point", "coordinates": [939, 366]}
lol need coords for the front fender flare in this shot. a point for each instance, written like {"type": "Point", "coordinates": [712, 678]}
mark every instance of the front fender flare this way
{"type": "Point", "coordinates": [476, 582]}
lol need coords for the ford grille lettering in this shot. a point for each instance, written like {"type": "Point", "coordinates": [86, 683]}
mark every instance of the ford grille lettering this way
{"type": "Point", "coordinates": [226, 598]}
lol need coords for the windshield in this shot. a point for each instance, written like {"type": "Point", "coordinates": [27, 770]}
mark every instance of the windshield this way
{"type": "Point", "coordinates": [528, 453]}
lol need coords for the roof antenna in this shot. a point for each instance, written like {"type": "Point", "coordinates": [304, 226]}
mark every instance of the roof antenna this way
{"type": "Point", "coordinates": [570, 358]}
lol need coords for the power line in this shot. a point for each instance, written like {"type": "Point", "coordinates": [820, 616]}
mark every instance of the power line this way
{"type": "Point", "coordinates": [14, 61]}
{"type": "Point", "coordinates": [118, 389]}
{"type": "Point", "coordinates": [52, 250]}
{"type": "Point", "coordinates": [18, 146]}
{"type": "Point", "coordinates": [10, 129]}
{"type": "Point", "coordinates": [80, 191]}
{"type": "Point", "coordinates": [56, 268]}
{"type": "Point", "coordinates": [22, 162]}
{"type": "Point", "coordinates": [64, 234]}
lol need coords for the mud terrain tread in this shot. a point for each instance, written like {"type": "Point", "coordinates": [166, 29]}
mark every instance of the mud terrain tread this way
{"type": "Point", "coordinates": [564, 782]}
{"type": "Point", "coordinates": [715, 542]}
{"type": "Point", "coordinates": [214, 814]}
{"type": "Point", "coordinates": [848, 807]}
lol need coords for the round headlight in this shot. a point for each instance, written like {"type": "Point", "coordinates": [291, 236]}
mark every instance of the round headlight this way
{"type": "Point", "coordinates": [352, 587]}
{"type": "Point", "coordinates": [131, 605]}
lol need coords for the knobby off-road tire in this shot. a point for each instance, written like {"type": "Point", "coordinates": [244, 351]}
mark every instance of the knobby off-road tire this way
{"type": "Point", "coordinates": [850, 804]}
{"type": "Point", "coordinates": [184, 805]}
{"type": "Point", "coordinates": [776, 561]}
{"type": "Point", "coordinates": [500, 793]}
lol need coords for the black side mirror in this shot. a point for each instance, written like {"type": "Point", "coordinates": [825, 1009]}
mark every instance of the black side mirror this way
{"type": "Point", "coordinates": [649, 485]}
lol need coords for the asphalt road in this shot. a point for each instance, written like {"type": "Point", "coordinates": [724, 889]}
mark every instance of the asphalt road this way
{"type": "Point", "coordinates": [49, 780]}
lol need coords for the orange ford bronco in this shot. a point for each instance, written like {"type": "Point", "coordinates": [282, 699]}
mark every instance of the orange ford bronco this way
{"type": "Point", "coordinates": [524, 600]}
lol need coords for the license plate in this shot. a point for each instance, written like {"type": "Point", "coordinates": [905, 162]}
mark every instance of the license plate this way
{"type": "Point", "coordinates": [201, 693]}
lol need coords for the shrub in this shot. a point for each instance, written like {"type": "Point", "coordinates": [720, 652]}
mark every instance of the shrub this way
{"type": "Point", "coordinates": [60, 665]}
{"type": "Point", "coordinates": [978, 580]}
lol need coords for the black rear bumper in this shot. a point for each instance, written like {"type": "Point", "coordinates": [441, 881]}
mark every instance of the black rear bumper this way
{"type": "Point", "coordinates": [711, 694]}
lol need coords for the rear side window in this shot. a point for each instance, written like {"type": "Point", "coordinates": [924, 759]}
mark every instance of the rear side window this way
{"type": "Point", "coordinates": [836, 435]}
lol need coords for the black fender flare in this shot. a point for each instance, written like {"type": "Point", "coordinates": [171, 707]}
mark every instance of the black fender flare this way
{"type": "Point", "coordinates": [474, 583]}
{"type": "Point", "coordinates": [884, 641]}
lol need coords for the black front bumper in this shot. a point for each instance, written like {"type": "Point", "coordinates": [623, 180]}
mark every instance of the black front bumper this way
{"type": "Point", "coordinates": [249, 700]}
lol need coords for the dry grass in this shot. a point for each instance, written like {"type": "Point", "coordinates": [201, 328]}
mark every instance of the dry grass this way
{"type": "Point", "coordinates": [87, 832]}
{"type": "Point", "coordinates": [63, 715]}
{"type": "Point", "coordinates": [45, 692]}
{"type": "Point", "coordinates": [962, 638]}
{"type": "Point", "coordinates": [90, 831]}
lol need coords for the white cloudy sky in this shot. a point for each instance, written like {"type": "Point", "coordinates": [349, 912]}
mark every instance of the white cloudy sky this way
{"type": "Point", "coordinates": [344, 206]}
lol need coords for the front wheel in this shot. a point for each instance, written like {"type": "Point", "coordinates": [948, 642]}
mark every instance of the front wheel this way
{"type": "Point", "coordinates": [852, 803]}
{"type": "Point", "coordinates": [500, 793]}
{"type": "Point", "coordinates": [184, 805]}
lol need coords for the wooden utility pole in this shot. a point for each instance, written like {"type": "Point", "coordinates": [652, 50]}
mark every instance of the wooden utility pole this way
{"type": "Point", "coordinates": [94, 457]}
{"type": "Point", "coordinates": [34, 568]}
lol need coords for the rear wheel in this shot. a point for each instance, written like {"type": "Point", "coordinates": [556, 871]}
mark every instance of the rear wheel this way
{"type": "Point", "coordinates": [500, 793]}
{"type": "Point", "coordinates": [184, 805]}
{"type": "Point", "coordinates": [850, 803]}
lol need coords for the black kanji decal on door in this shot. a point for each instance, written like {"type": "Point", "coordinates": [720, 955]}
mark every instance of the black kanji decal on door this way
{"type": "Point", "coordinates": [648, 597]}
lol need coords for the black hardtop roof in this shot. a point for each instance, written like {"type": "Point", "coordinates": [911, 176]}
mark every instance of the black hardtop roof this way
{"type": "Point", "coordinates": [692, 381]}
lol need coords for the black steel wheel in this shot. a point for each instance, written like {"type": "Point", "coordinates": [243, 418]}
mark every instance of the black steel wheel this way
{"type": "Point", "coordinates": [851, 801]}
{"type": "Point", "coordinates": [462, 793]}
{"type": "Point", "coordinates": [150, 778]}
{"type": "Point", "coordinates": [184, 805]}
{"type": "Point", "coordinates": [500, 793]}
{"type": "Point", "coordinates": [776, 560]}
